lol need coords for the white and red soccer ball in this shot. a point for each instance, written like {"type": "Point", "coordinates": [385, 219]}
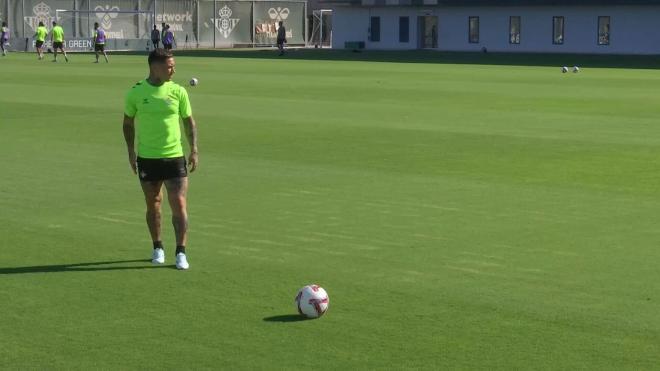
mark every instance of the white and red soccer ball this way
{"type": "Point", "coordinates": [312, 301]}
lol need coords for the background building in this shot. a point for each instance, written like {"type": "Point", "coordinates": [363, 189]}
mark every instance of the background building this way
{"type": "Point", "coordinates": [548, 26]}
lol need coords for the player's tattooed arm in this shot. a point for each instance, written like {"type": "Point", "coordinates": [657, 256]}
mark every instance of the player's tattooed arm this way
{"type": "Point", "coordinates": [129, 136]}
{"type": "Point", "coordinates": [191, 133]}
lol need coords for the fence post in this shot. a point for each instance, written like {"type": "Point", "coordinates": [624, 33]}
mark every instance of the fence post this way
{"type": "Point", "coordinates": [23, 22]}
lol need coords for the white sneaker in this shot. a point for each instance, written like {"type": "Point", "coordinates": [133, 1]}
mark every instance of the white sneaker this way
{"type": "Point", "coordinates": [158, 256]}
{"type": "Point", "coordinates": [181, 261]}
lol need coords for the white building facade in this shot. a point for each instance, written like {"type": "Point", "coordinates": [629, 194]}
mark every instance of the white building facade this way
{"type": "Point", "coordinates": [602, 27]}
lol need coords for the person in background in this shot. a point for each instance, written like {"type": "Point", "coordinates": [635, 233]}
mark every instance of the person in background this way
{"type": "Point", "coordinates": [99, 42]}
{"type": "Point", "coordinates": [281, 38]}
{"type": "Point", "coordinates": [168, 39]}
{"type": "Point", "coordinates": [155, 37]}
{"type": "Point", "coordinates": [57, 40]}
{"type": "Point", "coordinates": [40, 38]}
{"type": "Point", "coordinates": [4, 38]}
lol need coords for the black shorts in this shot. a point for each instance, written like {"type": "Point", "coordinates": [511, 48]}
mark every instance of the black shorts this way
{"type": "Point", "coordinates": [280, 42]}
{"type": "Point", "coordinates": [155, 42]}
{"type": "Point", "coordinates": [39, 44]}
{"type": "Point", "coordinates": [99, 47]}
{"type": "Point", "coordinates": [157, 169]}
{"type": "Point", "coordinates": [167, 46]}
{"type": "Point", "coordinates": [58, 45]}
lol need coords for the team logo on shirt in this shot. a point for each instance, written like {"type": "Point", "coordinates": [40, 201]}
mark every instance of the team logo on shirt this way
{"type": "Point", "coordinates": [41, 13]}
{"type": "Point", "coordinates": [225, 24]}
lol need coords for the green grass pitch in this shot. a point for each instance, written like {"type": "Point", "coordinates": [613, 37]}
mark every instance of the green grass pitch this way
{"type": "Point", "coordinates": [477, 215]}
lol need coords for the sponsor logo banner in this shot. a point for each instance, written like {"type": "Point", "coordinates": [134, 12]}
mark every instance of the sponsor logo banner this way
{"type": "Point", "coordinates": [105, 14]}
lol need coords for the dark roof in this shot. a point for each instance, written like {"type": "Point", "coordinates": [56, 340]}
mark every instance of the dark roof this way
{"type": "Point", "coordinates": [520, 2]}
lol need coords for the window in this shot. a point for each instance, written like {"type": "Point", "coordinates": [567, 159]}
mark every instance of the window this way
{"type": "Point", "coordinates": [603, 30]}
{"type": "Point", "coordinates": [473, 30]}
{"type": "Point", "coordinates": [558, 30]}
{"type": "Point", "coordinates": [404, 29]}
{"type": "Point", "coordinates": [514, 30]}
{"type": "Point", "coordinates": [374, 29]}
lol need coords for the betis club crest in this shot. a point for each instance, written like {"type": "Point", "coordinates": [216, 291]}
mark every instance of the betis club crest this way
{"type": "Point", "coordinates": [41, 13]}
{"type": "Point", "coordinates": [225, 24]}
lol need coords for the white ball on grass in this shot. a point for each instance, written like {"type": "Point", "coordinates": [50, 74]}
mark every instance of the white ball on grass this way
{"type": "Point", "coordinates": [312, 301]}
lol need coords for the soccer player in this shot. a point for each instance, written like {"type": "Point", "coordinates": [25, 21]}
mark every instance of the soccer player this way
{"type": "Point", "coordinates": [155, 37]}
{"type": "Point", "coordinates": [168, 39]}
{"type": "Point", "coordinates": [157, 103]}
{"type": "Point", "coordinates": [281, 38]}
{"type": "Point", "coordinates": [40, 38]}
{"type": "Point", "coordinates": [4, 38]}
{"type": "Point", "coordinates": [57, 39]}
{"type": "Point", "coordinates": [99, 42]}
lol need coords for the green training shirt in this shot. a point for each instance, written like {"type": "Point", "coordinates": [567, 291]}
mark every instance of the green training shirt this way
{"type": "Point", "coordinates": [58, 34]}
{"type": "Point", "coordinates": [42, 32]}
{"type": "Point", "coordinates": [157, 110]}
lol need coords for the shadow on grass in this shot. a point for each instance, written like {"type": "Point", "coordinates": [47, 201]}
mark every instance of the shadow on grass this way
{"type": "Point", "coordinates": [430, 56]}
{"type": "Point", "coordinates": [83, 267]}
{"type": "Point", "coordinates": [286, 318]}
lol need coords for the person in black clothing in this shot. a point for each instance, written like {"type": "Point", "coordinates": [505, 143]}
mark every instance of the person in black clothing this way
{"type": "Point", "coordinates": [281, 38]}
{"type": "Point", "coordinates": [155, 37]}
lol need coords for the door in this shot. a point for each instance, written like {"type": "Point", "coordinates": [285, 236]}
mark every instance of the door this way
{"type": "Point", "coordinates": [427, 32]}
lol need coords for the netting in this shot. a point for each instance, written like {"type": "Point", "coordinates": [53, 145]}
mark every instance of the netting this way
{"type": "Point", "coordinates": [124, 30]}
{"type": "Point", "coordinates": [195, 23]}
{"type": "Point", "coordinates": [321, 35]}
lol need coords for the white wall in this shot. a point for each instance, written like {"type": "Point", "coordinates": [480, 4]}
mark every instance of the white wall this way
{"type": "Point", "coordinates": [352, 24]}
{"type": "Point", "coordinates": [634, 29]}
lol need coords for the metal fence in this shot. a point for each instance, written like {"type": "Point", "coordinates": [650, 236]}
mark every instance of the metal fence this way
{"type": "Point", "coordinates": [195, 23]}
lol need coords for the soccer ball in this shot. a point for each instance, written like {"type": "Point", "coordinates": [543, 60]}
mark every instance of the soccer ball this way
{"type": "Point", "coordinates": [564, 69]}
{"type": "Point", "coordinates": [312, 301]}
{"type": "Point", "coordinates": [194, 81]}
{"type": "Point", "coordinates": [576, 69]}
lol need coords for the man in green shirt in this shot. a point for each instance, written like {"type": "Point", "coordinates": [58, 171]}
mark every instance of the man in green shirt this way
{"type": "Point", "coordinates": [40, 38]}
{"type": "Point", "coordinates": [57, 39]}
{"type": "Point", "coordinates": [157, 103]}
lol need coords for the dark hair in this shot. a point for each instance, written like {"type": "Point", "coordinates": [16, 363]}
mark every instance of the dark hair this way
{"type": "Point", "coordinates": [4, 24]}
{"type": "Point", "coordinates": [41, 23]}
{"type": "Point", "coordinates": [281, 23]}
{"type": "Point", "coordinates": [54, 23]}
{"type": "Point", "coordinates": [96, 24]}
{"type": "Point", "coordinates": [159, 56]}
